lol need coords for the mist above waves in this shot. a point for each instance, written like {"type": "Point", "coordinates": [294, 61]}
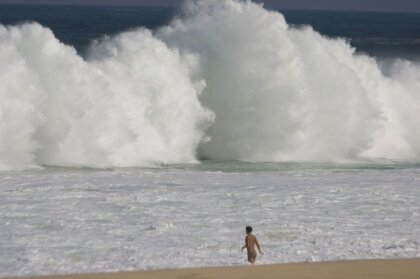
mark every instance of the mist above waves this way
{"type": "Point", "coordinates": [226, 80]}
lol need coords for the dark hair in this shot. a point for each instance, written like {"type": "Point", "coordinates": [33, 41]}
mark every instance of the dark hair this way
{"type": "Point", "coordinates": [248, 229]}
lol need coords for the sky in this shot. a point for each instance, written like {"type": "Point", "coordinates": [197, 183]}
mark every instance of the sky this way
{"type": "Point", "coordinates": [354, 5]}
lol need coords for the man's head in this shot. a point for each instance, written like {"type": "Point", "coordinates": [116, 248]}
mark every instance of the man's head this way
{"type": "Point", "coordinates": [248, 229]}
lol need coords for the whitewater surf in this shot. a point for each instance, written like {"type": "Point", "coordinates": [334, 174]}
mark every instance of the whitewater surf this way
{"type": "Point", "coordinates": [226, 80]}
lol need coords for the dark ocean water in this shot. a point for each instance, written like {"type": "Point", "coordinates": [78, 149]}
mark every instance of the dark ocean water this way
{"type": "Point", "coordinates": [383, 35]}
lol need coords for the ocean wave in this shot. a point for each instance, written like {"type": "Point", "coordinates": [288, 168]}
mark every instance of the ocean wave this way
{"type": "Point", "coordinates": [226, 80]}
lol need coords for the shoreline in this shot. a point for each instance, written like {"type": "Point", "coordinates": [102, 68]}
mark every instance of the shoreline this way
{"type": "Point", "coordinates": [371, 269]}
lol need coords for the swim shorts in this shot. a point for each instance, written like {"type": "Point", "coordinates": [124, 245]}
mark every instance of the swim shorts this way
{"type": "Point", "coordinates": [252, 256]}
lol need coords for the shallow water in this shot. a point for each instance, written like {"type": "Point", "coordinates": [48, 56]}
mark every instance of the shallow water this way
{"type": "Point", "coordinates": [72, 220]}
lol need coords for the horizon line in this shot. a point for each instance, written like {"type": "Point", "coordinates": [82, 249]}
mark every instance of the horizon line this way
{"type": "Point", "coordinates": [277, 8]}
{"type": "Point", "coordinates": [177, 5]}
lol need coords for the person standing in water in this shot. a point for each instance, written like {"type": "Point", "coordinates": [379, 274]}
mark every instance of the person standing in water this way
{"type": "Point", "coordinates": [250, 243]}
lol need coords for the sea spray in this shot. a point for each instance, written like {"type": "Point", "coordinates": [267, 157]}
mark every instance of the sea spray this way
{"type": "Point", "coordinates": [226, 80]}
{"type": "Point", "coordinates": [133, 104]}
{"type": "Point", "coordinates": [287, 94]}
{"type": "Point", "coordinates": [20, 101]}
{"type": "Point", "coordinates": [278, 93]}
{"type": "Point", "coordinates": [398, 137]}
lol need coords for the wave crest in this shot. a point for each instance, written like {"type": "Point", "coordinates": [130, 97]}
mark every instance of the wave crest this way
{"type": "Point", "coordinates": [227, 80]}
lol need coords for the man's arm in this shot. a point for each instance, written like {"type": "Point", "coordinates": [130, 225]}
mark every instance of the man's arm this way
{"type": "Point", "coordinates": [246, 244]}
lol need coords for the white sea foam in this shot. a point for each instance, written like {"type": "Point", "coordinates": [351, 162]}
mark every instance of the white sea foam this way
{"type": "Point", "coordinates": [226, 80]}
{"type": "Point", "coordinates": [83, 221]}
{"type": "Point", "coordinates": [133, 103]}
{"type": "Point", "coordinates": [291, 94]}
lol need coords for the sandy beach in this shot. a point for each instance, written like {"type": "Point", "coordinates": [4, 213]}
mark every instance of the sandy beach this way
{"type": "Point", "coordinates": [384, 269]}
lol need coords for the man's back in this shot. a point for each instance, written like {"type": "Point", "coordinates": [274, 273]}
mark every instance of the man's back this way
{"type": "Point", "coordinates": [250, 241]}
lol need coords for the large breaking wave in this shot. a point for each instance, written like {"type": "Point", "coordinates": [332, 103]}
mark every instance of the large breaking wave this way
{"type": "Point", "coordinates": [226, 80]}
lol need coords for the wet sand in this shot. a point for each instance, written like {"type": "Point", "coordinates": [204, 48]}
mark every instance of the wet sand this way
{"type": "Point", "coordinates": [371, 269]}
